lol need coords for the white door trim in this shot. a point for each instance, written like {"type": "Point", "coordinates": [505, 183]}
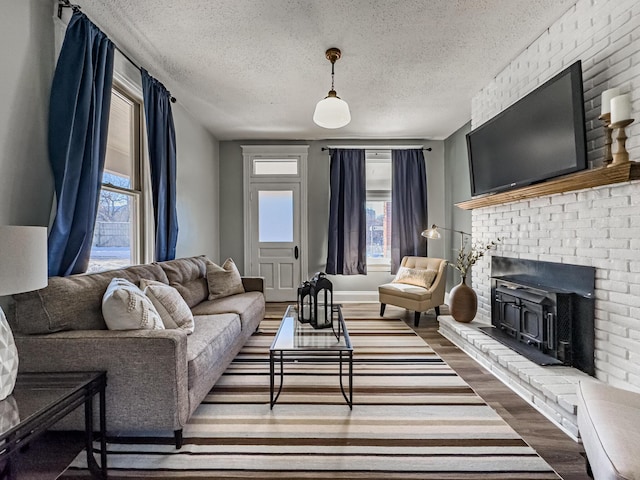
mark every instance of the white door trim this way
{"type": "Point", "coordinates": [249, 152]}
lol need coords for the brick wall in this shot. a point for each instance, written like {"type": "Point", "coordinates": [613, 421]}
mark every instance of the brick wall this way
{"type": "Point", "coordinates": [598, 227]}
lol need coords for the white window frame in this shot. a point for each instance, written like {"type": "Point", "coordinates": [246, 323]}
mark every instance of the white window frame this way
{"type": "Point", "coordinates": [378, 264]}
{"type": "Point", "coordinates": [136, 188]}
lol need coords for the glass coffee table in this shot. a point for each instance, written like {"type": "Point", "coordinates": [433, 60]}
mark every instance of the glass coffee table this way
{"type": "Point", "coordinates": [39, 400]}
{"type": "Point", "coordinates": [300, 342]}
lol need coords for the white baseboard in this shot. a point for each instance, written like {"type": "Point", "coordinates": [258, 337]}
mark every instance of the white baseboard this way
{"type": "Point", "coordinates": [364, 296]}
{"type": "Point", "coordinates": [355, 297]}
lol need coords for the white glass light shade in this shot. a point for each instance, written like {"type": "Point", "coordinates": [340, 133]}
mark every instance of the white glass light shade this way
{"type": "Point", "coordinates": [332, 112]}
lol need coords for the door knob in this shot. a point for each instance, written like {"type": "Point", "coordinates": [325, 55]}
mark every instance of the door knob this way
{"type": "Point", "coordinates": [295, 252]}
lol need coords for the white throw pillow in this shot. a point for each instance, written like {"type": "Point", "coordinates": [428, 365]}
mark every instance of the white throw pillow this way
{"type": "Point", "coordinates": [125, 307]}
{"type": "Point", "coordinates": [223, 281]}
{"type": "Point", "coordinates": [173, 310]}
{"type": "Point", "coordinates": [415, 276]}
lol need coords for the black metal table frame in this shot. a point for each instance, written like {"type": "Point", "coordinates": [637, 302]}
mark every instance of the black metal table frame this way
{"type": "Point", "coordinates": [29, 430]}
{"type": "Point", "coordinates": [315, 356]}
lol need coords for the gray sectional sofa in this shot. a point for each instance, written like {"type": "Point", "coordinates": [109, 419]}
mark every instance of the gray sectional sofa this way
{"type": "Point", "coordinates": [155, 378]}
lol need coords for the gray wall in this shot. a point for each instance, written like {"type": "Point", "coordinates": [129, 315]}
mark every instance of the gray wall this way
{"type": "Point", "coordinates": [26, 182]}
{"type": "Point", "coordinates": [197, 187]}
{"type": "Point", "coordinates": [231, 213]}
{"type": "Point", "coordinates": [457, 189]}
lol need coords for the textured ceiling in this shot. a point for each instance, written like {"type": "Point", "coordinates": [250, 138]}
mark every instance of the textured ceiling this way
{"type": "Point", "coordinates": [254, 69]}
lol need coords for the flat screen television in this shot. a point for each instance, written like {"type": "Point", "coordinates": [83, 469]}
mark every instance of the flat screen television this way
{"type": "Point", "coordinates": [541, 136]}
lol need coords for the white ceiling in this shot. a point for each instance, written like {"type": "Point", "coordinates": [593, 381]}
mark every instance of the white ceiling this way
{"type": "Point", "coordinates": [254, 69]}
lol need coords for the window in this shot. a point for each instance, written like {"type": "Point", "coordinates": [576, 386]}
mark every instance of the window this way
{"type": "Point", "coordinates": [378, 209]}
{"type": "Point", "coordinates": [275, 166]}
{"type": "Point", "coordinates": [275, 216]}
{"type": "Point", "coordinates": [117, 238]}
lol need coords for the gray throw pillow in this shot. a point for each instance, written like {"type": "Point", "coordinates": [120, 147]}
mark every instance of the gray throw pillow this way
{"type": "Point", "coordinates": [223, 281]}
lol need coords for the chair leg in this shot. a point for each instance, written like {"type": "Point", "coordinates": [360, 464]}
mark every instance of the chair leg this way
{"type": "Point", "coordinates": [416, 318]}
{"type": "Point", "coordinates": [177, 435]}
{"type": "Point", "coordinates": [437, 311]}
{"type": "Point", "coordinates": [382, 306]}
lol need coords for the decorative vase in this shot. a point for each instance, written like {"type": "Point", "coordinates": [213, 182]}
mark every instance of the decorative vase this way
{"type": "Point", "coordinates": [8, 358]}
{"type": "Point", "coordinates": [463, 302]}
{"type": "Point", "coordinates": [9, 414]}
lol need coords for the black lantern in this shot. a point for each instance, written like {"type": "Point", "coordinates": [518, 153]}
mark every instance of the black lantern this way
{"type": "Point", "coordinates": [321, 293]}
{"type": "Point", "coordinates": [304, 303]}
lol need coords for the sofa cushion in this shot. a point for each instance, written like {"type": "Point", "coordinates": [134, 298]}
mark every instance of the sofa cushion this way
{"type": "Point", "coordinates": [212, 337]}
{"type": "Point", "coordinates": [73, 302]}
{"type": "Point", "coordinates": [126, 307]}
{"type": "Point", "coordinates": [223, 280]}
{"type": "Point", "coordinates": [415, 276]}
{"type": "Point", "coordinates": [411, 292]}
{"type": "Point", "coordinates": [173, 310]}
{"type": "Point", "coordinates": [249, 305]}
{"type": "Point", "coordinates": [188, 276]}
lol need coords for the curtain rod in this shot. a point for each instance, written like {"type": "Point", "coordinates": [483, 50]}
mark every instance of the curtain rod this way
{"type": "Point", "coordinates": [378, 147]}
{"type": "Point", "coordinates": [76, 8]}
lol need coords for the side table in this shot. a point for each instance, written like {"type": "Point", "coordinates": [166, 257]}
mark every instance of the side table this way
{"type": "Point", "coordinates": [39, 400]}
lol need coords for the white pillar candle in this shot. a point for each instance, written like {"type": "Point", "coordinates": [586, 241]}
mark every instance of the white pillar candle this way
{"type": "Point", "coordinates": [606, 97]}
{"type": "Point", "coordinates": [621, 108]}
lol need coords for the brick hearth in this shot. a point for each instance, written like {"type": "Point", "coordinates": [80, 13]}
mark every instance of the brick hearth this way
{"type": "Point", "coordinates": [550, 390]}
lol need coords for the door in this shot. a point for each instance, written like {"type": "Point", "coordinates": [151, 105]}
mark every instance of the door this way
{"type": "Point", "coordinates": [275, 238]}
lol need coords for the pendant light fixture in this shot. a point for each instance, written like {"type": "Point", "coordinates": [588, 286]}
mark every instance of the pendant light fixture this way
{"type": "Point", "coordinates": [332, 111]}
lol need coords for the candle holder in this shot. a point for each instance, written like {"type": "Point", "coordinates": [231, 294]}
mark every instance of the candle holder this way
{"type": "Point", "coordinates": [621, 156]}
{"type": "Point", "coordinates": [606, 119]}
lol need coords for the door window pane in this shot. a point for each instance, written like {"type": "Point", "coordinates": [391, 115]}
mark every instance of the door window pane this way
{"type": "Point", "coordinates": [275, 216]}
{"type": "Point", "coordinates": [273, 166]}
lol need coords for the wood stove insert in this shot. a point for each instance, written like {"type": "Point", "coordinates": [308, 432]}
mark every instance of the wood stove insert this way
{"type": "Point", "coordinates": [544, 311]}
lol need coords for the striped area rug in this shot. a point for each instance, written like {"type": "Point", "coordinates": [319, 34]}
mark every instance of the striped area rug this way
{"type": "Point", "coordinates": [413, 418]}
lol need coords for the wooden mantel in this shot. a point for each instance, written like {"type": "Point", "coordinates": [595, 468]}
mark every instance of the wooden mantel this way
{"type": "Point", "coordinates": [567, 183]}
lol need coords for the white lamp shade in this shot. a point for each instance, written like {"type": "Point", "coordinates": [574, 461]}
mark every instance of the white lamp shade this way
{"type": "Point", "coordinates": [23, 267]}
{"type": "Point", "coordinates": [23, 259]}
{"type": "Point", "coordinates": [332, 112]}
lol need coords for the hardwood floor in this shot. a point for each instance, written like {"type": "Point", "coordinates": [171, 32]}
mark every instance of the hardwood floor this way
{"type": "Point", "coordinates": [551, 443]}
{"type": "Point", "coordinates": [50, 455]}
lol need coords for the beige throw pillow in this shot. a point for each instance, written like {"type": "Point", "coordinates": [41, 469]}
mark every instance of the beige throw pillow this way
{"type": "Point", "coordinates": [223, 281]}
{"type": "Point", "coordinates": [415, 276]}
{"type": "Point", "coordinates": [173, 310]}
{"type": "Point", "coordinates": [126, 307]}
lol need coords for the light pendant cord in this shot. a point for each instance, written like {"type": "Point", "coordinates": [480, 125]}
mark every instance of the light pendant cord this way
{"type": "Point", "coordinates": [332, 65]}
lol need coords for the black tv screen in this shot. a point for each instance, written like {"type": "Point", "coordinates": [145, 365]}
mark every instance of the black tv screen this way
{"type": "Point", "coordinates": [539, 137]}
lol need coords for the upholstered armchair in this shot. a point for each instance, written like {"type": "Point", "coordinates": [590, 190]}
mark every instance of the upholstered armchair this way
{"type": "Point", "coordinates": [419, 285]}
